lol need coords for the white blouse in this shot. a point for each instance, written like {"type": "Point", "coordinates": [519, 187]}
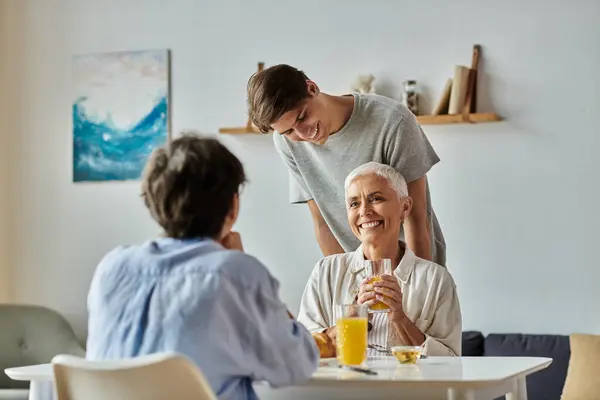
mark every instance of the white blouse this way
{"type": "Point", "coordinates": [429, 299]}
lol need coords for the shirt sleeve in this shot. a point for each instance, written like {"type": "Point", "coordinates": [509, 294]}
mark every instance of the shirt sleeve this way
{"type": "Point", "coordinates": [444, 336]}
{"type": "Point", "coordinates": [313, 310]}
{"type": "Point", "coordinates": [298, 189]}
{"type": "Point", "coordinates": [408, 150]}
{"type": "Point", "coordinates": [258, 336]}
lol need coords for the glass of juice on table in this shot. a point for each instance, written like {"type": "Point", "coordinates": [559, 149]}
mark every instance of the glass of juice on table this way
{"type": "Point", "coordinates": [352, 334]}
{"type": "Point", "coordinates": [374, 269]}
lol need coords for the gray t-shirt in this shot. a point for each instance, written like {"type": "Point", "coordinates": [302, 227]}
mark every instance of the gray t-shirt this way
{"type": "Point", "coordinates": [380, 129]}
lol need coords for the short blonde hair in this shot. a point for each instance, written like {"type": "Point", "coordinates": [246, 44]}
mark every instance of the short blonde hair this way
{"type": "Point", "coordinates": [393, 177]}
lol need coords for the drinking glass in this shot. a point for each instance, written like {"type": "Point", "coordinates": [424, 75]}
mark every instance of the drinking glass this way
{"type": "Point", "coordinates": [352, 334]}
{"type": "Point", "coordinates": [374, 270]}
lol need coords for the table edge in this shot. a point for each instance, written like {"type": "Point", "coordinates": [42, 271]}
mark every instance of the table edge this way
{"type": "Point", "coordinates": [320, 382]}
{"type": "Point", "coordinates": [16, 374]}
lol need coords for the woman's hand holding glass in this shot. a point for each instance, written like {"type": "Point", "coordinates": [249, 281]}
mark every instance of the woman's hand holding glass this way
{"type": "Point", "coordinates": [387, 291]}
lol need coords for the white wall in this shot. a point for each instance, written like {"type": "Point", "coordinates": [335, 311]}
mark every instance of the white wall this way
{"type": "Point", "coordinates": [6, 131]}
{"type": "Point", "coordinates": [4, 187]}
{"type": "Point", "coordinates": [517, 199]}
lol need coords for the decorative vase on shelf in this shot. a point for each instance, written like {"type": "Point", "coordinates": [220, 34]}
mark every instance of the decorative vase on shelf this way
{"type": "Point", "coordinates": [410, 96]}
{"type": "Point", "coordinates": [364, 84]}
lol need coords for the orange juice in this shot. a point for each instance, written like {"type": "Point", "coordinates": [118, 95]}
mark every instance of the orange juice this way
{"type": "Point", "coordinates": [378, 306]}
{"type": "Point", "coordinates": [352, 340]}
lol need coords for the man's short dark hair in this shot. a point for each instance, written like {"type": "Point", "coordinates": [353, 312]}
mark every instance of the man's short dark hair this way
{"type": "Point", "coordinates": [274, 91]}
{"type": "Point", "coordinates": [189, 186]}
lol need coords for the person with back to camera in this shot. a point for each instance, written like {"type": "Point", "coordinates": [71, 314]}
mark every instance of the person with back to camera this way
{"type": "Point", "coordinates": [194, 291]}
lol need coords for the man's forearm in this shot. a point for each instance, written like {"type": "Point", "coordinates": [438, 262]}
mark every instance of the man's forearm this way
{"type": "Point", "coordinates": [416, 226]}
{"type": "Point", "coordinates": [418, 237]}
{"type": "Point", "coordinates": [327, 242]}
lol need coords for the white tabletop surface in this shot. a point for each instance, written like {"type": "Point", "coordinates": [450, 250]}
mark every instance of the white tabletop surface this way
{"type": "Point", "coordinates": [445, 371]}
{"type": "Point", "coordinates": [40, 372]}
{"type": "Point", "coordinates": [474, 371]}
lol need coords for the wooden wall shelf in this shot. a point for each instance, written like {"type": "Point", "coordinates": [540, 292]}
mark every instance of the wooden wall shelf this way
{"type": "Point", "coordinates": [457, 118]}
{"type": "Point", "coordinates": [467, 115]}
{"type": "Point", "coordinates": [240, 130]}
{"type": "Point", "coordinates": [422, 119]}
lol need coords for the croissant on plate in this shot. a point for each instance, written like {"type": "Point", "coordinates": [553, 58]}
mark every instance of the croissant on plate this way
{"type": "Point", "coordinates": [325, 344]}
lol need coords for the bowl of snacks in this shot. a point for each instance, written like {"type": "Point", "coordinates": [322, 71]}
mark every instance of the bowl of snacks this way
{"type": "Point", "coordinates": [407, 354]}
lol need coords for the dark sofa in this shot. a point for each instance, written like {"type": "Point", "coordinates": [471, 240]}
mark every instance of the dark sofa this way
{"type": "Point", "coordinates": [543, 385]}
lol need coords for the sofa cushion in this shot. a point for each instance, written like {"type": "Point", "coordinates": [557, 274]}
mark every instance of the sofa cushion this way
{"type": "Point", "coordinates": [546, 384]}
{"type": "Point", "coordinates": [472, 343]}
{"type": "Point", "coordinates": [582, 381]}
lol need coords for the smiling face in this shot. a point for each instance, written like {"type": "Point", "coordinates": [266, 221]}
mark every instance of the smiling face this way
{"type": "Point", "coordinates": [309, 122]}
{"type": "Point", "coordinates": [375, 212]}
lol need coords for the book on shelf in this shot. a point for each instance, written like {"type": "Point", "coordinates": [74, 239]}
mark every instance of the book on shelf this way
{"type": "Point", "coordinates": [444, 102]}
{"type": "Point", "coordinates": [458, 93]}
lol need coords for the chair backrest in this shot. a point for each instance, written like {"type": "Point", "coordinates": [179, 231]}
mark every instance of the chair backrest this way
{"type": "Point", "coordinates": [32, 335]}
{"type": "Point", "coordinates": [151, 377]}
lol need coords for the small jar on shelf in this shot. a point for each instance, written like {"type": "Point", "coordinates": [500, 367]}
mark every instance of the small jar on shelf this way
{"type": "Point", "coordinates": [410, 96]}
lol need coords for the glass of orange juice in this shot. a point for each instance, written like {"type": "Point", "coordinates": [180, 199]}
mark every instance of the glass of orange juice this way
{"type": "Point", "coordinates": [352, 334]}
{"type": "Point", "coordinates": [374, 269]}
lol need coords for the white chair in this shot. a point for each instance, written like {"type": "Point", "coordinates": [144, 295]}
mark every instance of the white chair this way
{"type": "Point", "coordinates": [153, 377]}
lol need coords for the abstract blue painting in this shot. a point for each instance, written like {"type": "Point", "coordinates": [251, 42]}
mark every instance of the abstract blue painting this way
{"type": "Point", "coordinates": [120, 113]}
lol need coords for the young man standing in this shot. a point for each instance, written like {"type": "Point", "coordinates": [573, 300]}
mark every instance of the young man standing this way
{"type": "Point", "coordinates": [321, 138]}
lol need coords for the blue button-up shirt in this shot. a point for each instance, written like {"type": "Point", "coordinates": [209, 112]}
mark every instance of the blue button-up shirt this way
{"type": "Point", "coordinates": [219, 307]}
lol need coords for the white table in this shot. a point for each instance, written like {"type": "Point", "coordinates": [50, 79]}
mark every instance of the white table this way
{"type": "Point", "coordinates": [448, 378]}
{"type": "Point", "coordinates": [40, 379]}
